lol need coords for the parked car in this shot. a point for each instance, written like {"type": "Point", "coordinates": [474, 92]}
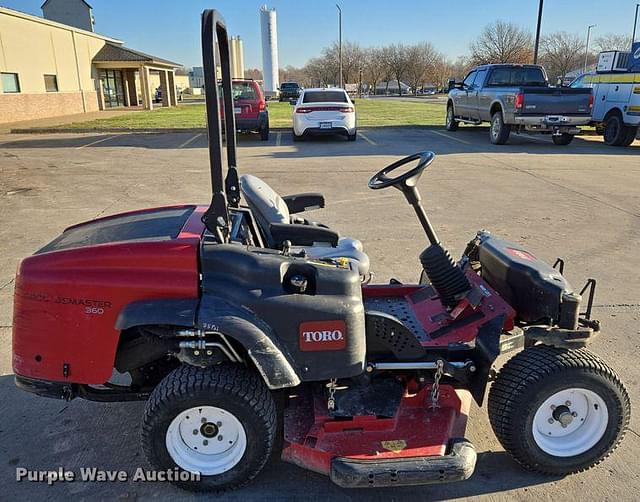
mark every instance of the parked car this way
{"type": "Point", "coordinates": [324, 111]}
{"type": "Point", "coordinates": [289, 90]}
{"type": "Point", "coordinates": [616, 112]}
{"type": "Point", "coordinates": [518, 96]}
{"type": "Point", "coordinates": [250, 108]}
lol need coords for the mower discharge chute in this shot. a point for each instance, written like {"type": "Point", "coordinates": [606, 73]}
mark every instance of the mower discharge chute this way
{"type": "Point", "coordinates": [238, 328]}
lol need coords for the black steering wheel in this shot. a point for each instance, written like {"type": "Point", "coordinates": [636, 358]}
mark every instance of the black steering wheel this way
{"type": "Point", "coordinates": [407, 179]}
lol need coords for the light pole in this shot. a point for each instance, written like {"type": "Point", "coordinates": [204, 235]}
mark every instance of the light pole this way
{"type": "Point", "coordinates": [586, 50]}
{"type": "Point", "coordinates": [340, 43]}
{"type": "Point", "coordinates": [635, 23]}
{"type": "Point", "coordinates": [535, 50]}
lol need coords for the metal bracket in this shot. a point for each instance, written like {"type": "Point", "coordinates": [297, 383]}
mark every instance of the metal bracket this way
{"type": "Point", "coordinates": [591, 286]}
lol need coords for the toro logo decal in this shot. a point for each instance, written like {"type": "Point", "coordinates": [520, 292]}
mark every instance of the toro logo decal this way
{"type": "Point", "coordinates": [521, 253]}
{"type": "Point", "coordinates": [323, 335]}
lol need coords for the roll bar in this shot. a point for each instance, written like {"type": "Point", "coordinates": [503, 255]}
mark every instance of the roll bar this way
{"type": "Point", "coordinates": [224, 191]}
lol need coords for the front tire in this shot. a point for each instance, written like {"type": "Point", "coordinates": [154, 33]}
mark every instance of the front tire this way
{"type": "Point", "coordinates": [451, 124]}
{"type": "Point", "coordinates": [499, 131]}
{"type": "Point", "coordinates": [218, 421]}
{"type": "Point", "coordinates": [563, 139]}
{"type": "Point", "coordinates": [558, 411]}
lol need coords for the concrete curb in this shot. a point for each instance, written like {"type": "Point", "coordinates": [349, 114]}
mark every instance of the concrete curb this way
{"type": "Point", "coordinates": [84, 130]}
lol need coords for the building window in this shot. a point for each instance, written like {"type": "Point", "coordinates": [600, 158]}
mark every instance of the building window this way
{"type": "Point", "coordinates": [51, 83]}
{"type": "Point", "coordinates": [10, 82]}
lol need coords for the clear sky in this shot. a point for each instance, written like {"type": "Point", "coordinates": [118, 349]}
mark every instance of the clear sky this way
{"type": "Point", "coordinates": [170, 28]}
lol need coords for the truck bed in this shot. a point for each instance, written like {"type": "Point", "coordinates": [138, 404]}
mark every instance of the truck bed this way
{"type": "Point", "coordinates": [555, 101]}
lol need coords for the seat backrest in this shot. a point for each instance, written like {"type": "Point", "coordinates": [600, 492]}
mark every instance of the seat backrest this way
{"type": "Point", "coordinates": [265, 203]}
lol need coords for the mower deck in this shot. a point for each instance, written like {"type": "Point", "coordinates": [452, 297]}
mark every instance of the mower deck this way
{"type": "Point", "coordinates": [418, 445]}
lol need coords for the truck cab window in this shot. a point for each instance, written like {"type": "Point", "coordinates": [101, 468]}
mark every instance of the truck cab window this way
{"type": "Point", "coordinates": [469, 80]}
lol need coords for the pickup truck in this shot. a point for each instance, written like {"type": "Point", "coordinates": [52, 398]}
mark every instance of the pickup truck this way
{"type": "Point", "coordinates": [518, 97]}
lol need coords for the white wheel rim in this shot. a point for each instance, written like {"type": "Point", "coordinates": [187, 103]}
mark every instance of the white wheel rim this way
{"type": "Point", "coordinates": [570, 422]}
{"type": "Point", "coordinates": [206, 440]}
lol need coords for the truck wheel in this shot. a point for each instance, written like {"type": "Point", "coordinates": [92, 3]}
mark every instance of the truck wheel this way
{"type": "Point", "coordinates": [219, 422]}
{"type": "Point", "coordinates": [499, 131]}
{"type": "Point", "coordinates": [562, 139]}
{"type": "Point", "coordinates": [615, 132]}
{"type": "Point", "coordinates": [558, 411]}
{"type": "Point", "coordinates": [451, 124]}
{"type": "Point", "coordinates": [632, 132]}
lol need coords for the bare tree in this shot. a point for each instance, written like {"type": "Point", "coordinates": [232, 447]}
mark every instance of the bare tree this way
{"type": "Point", "coordinates": [460, 68]}
{"type": "Point", "coordinates": [420, 60]}
{"type": "Point", "coordinates": [292, 74]}
{"type": "Point", "coordinates": [502, 42]}
{"type": "Point", "coordinates": [253, 73]}
{"type": "Point", "coordinates": [397, 62]}
{"type": "Point", "coordinates": [613, 42]}
{"type": "Point", "coordinates": [561, 52]}
{"type": "Point", "coordinates": [374, 66]}
{"type": "Point", "coordinates": [441, 71]}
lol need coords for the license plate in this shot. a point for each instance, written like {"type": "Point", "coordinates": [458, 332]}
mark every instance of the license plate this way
{"type": "Point", "coordinates": [325, 125]}
{"type": "Point", "coordinates": [237, 110]}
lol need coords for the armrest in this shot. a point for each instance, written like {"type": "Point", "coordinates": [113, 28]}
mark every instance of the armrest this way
{"type": "Point", "coordinates": [303, 201]}
{"type": "Point", "coordinates": [302, 235]}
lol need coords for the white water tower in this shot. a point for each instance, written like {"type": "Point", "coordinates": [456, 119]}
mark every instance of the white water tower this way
{"type": "Point", "coordinates": [269, 30]}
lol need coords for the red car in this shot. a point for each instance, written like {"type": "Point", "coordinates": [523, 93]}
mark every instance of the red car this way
{"type": "Point", "coordinates": [250, 108]}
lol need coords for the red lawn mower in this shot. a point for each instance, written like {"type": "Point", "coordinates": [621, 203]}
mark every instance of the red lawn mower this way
{"type": "Point", "coordinates": [249, 329]}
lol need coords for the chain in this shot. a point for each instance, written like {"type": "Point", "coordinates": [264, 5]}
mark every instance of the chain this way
{"type": "Point", "coordinates": [331, 402]}
{"type": "Point", "coordinates": [435, 388]}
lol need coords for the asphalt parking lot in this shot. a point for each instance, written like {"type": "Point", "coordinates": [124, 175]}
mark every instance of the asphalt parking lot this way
{"type": "Point", "coordinates": [580, 202]}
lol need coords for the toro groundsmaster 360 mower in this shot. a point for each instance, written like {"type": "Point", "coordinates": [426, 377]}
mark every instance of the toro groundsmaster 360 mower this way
{"type": "Point", "coordinates": [248, 329]}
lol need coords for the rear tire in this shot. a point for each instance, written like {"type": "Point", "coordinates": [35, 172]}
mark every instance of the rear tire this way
{"type": "Point", "coordinates": [632, 132]}
{"type": "Point", "coordinates": [563, 139]}
{"type": "Point", "coordinates": [499, 131]}
{"type": "Point", "coordinates": [233, 418]}
{"type": "Point", "coordinates": [264, 132]}
{"type": "Point", "coordinates": [558, 411]}
{"type": "Point", "coordinates": [295, 136]}
{"type": "Point", "coordinates": [352, 137]}
{"type": "Point", "coordinates": [615, 132]}
{"type": "Point", "coordinates": [451, 124]}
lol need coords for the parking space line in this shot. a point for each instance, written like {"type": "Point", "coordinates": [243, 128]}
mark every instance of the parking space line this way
{"type": "Point", "coordinates": [190, 140]}
{"type": "Point", "coordinates": [368, 140]}
{"type": "Point", "coordinates": [278, 138]}
{"type": "Point", "coordinates": [451, 137]}
{"type": "Point", "coordinates": [96, 142]}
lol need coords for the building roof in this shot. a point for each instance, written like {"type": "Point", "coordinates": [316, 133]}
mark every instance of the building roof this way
{"type": "Point", "coordinates": [36, 19]}
{"type": "Point", "coordinates": [112, 52]}
{"type": "Point", "coordinates": [47, 1]}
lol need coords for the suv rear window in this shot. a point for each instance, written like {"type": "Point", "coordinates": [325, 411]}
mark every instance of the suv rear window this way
{"type": "Point", "coordinates": [517, 76]}
{"type": "Point", "coordinates": [325, 97]}
{"type": "Point", "coordinates": [289, 85]}
{"type": "Point", "coordinates": [244, 90]}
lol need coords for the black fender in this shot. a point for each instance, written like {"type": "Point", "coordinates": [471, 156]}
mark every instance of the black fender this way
{"type": "Point", "coordinates": [263, 347]}
{"type": "Point", "coordinates": [169, 311]}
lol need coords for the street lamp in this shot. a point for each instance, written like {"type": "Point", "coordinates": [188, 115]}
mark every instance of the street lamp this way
{"type": "Point", "coordinates": [635, 22]}
{"type": "Point", "coordinates": [535, 50]}
{"type": "Point", "coordinates": [340, 42]}
{"type": "Point", "coordinates": [586, 50]}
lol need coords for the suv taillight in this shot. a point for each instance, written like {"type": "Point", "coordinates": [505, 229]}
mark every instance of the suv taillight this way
{"type": "Point", "coordinates": [262, 106]}
{"type": "Point", "coordinates": [591, 100]}
{"type": "Point", "coordinates": [519, 100]}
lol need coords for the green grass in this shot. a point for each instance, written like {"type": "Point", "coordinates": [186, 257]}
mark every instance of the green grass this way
{"type": "Point", "coordinates": [371, 113]}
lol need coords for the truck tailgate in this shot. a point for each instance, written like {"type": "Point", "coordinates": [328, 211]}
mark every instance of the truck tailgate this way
{"type": "Point", "coordinates": [556, 101]}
